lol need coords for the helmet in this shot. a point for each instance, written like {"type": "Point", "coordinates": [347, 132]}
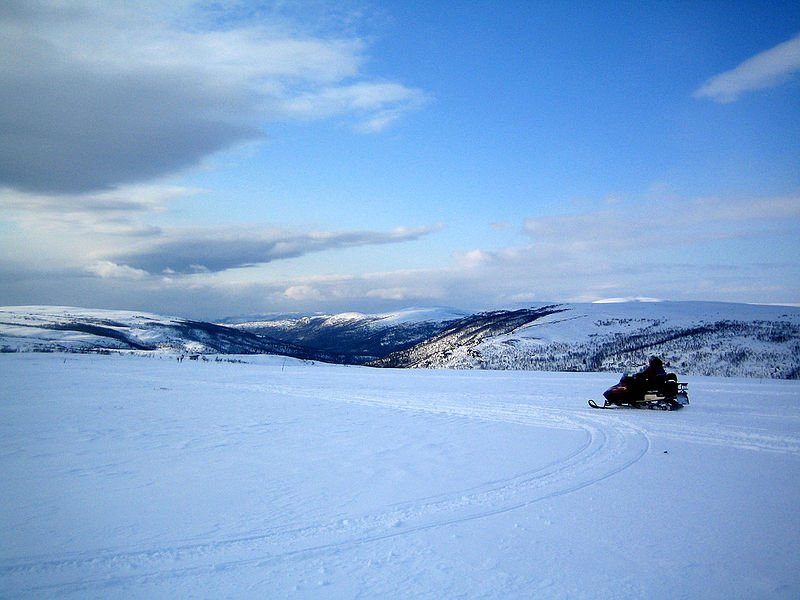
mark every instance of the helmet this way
{"type": "Point", "coordinates": [655, 361]}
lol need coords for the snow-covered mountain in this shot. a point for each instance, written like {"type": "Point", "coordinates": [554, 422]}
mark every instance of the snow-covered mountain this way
{"type": "Point", "coordinates": [69, 329]}
{"type": "Point", "coordinates": [695, 338]}
{"type": "Point", "coordinates": [362, 338]}
{"type": "Point", "coordinates": [460, 338]}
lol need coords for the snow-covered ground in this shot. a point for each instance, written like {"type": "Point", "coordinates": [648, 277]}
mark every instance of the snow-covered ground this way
{"type": "Point", "coordinates": [131, 477]}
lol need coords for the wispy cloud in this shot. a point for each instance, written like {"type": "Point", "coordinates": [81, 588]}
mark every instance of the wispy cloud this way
{"type": "Point", "coordinates": [120, 210]}
{"type": "Point", "coordinates": [764, 70]}
{"type": "Point", "coordinates": [626, 249]}
{"type": "Point", "coordinates": [98, 94]}
{"type": "Point", "coordinates": [375, 106]}
{"type": "Point", "coordinates": [216, 250]}
{"type": "Point", "coordinates": [106, 269]}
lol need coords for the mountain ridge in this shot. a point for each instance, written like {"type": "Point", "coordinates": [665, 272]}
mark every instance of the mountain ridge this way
{"type": "Point", "coordinates": [467, 332]}
{"type": "Point", "coordinates": [695, 338]}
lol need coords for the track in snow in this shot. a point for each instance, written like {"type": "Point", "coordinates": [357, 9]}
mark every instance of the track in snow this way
{"type": "Point", "coordinates": [610, 445]}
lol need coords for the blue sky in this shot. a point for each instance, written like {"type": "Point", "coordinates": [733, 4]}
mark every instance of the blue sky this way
{"type": "Point", "coordinates": [211, 159]}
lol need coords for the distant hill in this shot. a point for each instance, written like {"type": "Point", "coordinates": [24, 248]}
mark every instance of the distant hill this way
{"type": "Point", "coordinates": [363, 338]}
{"type": "Point", "coordinates": [695, 338]}
{"type": "Point", "coordinates": [70, 329]}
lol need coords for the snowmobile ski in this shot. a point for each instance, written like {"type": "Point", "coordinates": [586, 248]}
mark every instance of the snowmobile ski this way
{"type": "Point", "coordinates": [594, 404]}
{"type": "Point", "coordinates": [661, 404]}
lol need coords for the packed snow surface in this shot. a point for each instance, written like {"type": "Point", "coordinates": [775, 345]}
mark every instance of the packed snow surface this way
{"type": "Point", "coordinates": [131, 477]}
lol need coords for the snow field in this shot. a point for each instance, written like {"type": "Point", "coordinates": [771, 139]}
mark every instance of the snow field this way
{"type": "Point", "coordinates": [129, 477]}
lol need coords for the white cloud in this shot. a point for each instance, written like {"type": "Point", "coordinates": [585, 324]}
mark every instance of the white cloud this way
{"type": "Point", "coordinates": [302, 293]}
{"type": "Point", "coordinates": [81, 231]}
{"type": "Point", "coordinates": [402, 294]}
{"type": "Point", "coordinates": [119, 210]}
{"type": "Point", "coordinates": [626, 299]}
{"type": "Point", "coordinates": [107, 93]}
{"type": "Point", "coordinates": [764, 70]}
{"type": "Point", "coordinates": [625, 227]}
{"type": "Point", "coordinates": [375, 106]}
{"type": "Point", "coordinates": [475, 258]}
{"type": "Point", "coordinates": [106, 269]}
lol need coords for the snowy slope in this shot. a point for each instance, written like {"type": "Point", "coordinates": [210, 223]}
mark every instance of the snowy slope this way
{"type": "Point", "coordinates": [62, 327]}
{"type": "Point", "coordinates": [698, 338]}
{"type": "Point", "coordinates": [70, 329]}
{"type": "Point", "coordinates": [128, 477]}
{"type": "Point", "coordinates": [459, 338]}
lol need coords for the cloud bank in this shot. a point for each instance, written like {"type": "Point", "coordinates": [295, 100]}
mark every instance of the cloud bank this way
{"type": "Point", "coordinates": [98, 94]}
{"type": "Point", "coordinates": [765, 70]}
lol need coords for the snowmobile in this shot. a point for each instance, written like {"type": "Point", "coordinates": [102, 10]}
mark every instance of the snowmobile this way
{"type": "Point", "coordinates": [635, 392]}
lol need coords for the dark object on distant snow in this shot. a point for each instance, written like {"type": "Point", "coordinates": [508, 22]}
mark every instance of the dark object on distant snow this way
{"type": "Point", "coordinates": [651, 388]}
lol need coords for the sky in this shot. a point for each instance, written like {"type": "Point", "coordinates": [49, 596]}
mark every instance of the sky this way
{"type": "Point", "coordinates": [213, 159]}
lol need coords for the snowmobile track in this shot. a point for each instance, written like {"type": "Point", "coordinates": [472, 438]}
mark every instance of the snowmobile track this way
{"type": "Point", "coordinates": [611, 445]}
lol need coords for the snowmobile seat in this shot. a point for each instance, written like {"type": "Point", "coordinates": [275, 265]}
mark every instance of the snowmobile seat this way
{"type": "Point", "coordinates": [670, 385]}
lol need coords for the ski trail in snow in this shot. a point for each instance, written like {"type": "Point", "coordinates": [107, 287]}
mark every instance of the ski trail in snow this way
{"type": "Point", "coordinates": [610, 446]}
{"type": "Point", "coordinates": [730, 437]}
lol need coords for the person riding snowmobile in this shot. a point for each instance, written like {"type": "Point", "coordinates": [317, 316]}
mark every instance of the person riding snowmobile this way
{"type": "Point", "coordinates": [653, 375]}
{"type": "Point", "coordinates": [632, 388]}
